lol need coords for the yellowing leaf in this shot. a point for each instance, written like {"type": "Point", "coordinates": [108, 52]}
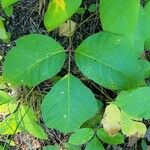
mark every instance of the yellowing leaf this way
{"type": "Point", "coordinates": [112, 120]}
{"type": "Point", "coordinates": [67, 28]}
{"type": "Point", "coordinates": [60, 3]}
{"type": "Point", "coordinates": [59, 11]}
{"type": "Point", "coordinates": [9, 125]}
{"type": "Point", "coordinates": [7, 108]}
{"type": "Point", "coordinates": [130, 128]}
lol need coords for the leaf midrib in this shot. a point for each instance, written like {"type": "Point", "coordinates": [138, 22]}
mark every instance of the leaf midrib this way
{"type": "Point", "coordinates": [104, 64]}
{"type": "Point", "coordinates": [37, 62]}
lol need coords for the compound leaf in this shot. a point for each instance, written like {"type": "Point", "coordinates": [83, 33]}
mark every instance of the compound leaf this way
{"type": "Point", "coordinates": [35, 59]}
{"type": "Point", "coordinates": [110, 61]}
{"type": "Point", "coordinates": [61, 9]}
{"type": "Point", "coordinates": [136, 102]}
{"type": "Point", "coordinates": [68, 105]}
{"type": "Point", "coordinates": [119, 16]}
{"type": "Point", "coordinates": [81, 136]}
{"type": "Point", "coordinates": [113, 140]}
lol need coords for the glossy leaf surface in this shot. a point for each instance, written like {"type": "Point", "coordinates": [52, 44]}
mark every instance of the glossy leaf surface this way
{"type": "Point", "coordinates": [34, 59]}
{"type": "Point", "coordinates": [59, 11]}
{"type": "Point", "coordinates": [68, 105]}
{"type": "Point", "coordinates": [119, 16]}
{"type": "Point", "coordinates": [135, 102]}
{"type": "Point", "coordinates": [110, 61]}
{"type": "Point", "coordinates": [81, 136]}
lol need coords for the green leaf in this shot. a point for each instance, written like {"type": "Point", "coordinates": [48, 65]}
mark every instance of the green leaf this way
{"type": "Point", "coordinates": [92, 8]}
{"type": "Point", "coordinates": [35, 59]}
{"type": "Point", "coordinates": [8, 11]}
{"type": "Point", "coordinates": [61, 9]}
{"type": "Point", "coordinates": [94, 144]}
{"type": "Point", "coordinates": [119, 16]}
{"type": "Point", "coordinates": [139, 34]}
{"type": "Point", "coordinates": [8, 108]}
{"type": "Point", "coordinates": [81, 136]}
{"type": "Point", "coordinates": [9, 125]}
{"type": "Point", "coordinates": [81, 10]}
{"type": "Point", "coordinates": [7, 3]}
{"type": "Point", "coordinates": [23, 120]}
{"type": "Point", "coordinates": [145, 65]}
{"type": "Point", "coordinates": [1, 147]}
{"type": "Point", "coordinates": [113, 140]}
{"type": "Point", "coordinates": [147, 22]}
{"type": "Point", "coordinates": [68, 105]}
{"type": "Point", "coordinates": [93, 122]}
{"type": "Point", "coordinates": [110, 61]}
{"type": "Point", "coordinates": [3, 33]}
{"type": "Point", "coordinates": [136, 102]}
{"type": "Point", "coordinates": [28, 123]}
{"type": "Point", "coordinates": [132, 128]}
{"type": "Point", "coordinates": [4, 97]}
{"type": "Point", "coordinates": [69, 146]}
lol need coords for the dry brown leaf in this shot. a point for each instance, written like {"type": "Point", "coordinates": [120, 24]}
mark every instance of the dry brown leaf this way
{"type": "Point", "coordinates": [67, 28]}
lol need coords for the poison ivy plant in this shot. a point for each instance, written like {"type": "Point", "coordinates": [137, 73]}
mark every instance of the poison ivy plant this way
{"type": "Point", "coordinates": [111, 58]}
{"type": "Point", "coordinates": [61, 9]}
{"type": "Point", "coordinates": [44, 58]}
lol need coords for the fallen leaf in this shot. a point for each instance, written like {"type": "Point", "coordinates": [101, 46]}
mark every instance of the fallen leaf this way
{"type": "Point", "coordinates": [67, 29]}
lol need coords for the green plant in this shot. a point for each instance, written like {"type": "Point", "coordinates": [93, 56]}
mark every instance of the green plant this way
{"type": "Point", "coordinates": [111, 58]}
{"type": "Point", "coordinates": [7, 6]}
{"type": "Point", "coordinates": [8, 9]}
{"type": "Point", "coordinates": [19, 118]}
